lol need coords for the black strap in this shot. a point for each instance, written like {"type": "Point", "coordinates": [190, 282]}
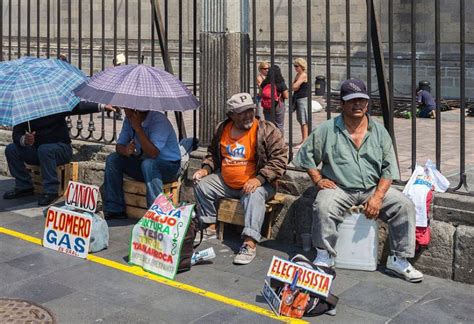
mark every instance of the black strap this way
{"type": "Point", "coordinates": [201, 230]}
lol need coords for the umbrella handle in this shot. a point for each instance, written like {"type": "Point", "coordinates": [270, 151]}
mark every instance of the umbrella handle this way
{"type": "Point", "coordinates": [29, 127]}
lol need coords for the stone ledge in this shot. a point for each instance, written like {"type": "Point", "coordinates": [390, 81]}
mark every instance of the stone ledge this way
{"type": "Point", "coordinates": [463, 254]}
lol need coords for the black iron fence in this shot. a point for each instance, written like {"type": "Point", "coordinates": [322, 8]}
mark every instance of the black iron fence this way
{"type": "Point", "coordinates": [390, 44]}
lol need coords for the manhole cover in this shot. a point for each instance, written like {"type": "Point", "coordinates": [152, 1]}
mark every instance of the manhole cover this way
{"type": "Point", "coordinates": [22, 311]}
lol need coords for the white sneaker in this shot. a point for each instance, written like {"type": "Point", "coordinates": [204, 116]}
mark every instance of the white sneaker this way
{"type": "Point", "coordinates": [246, 254]}
{"type": "Point", "coordinates": [323, 258]}
{"type": "Point", "coordinates": [400, 267]}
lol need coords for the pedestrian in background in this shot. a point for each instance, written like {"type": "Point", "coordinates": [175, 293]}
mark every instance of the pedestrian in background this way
{"type": "Point", "coordinates": [426, 104]}
{"type": "Point", "coordinates": [263, 68]}
{"type": "Point", "coordinates": [279, 95]}
{"type": "Point", "coordinates": [300, 97]}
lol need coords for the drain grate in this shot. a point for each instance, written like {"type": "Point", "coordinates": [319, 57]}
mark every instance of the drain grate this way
{"type": "Point", "coordinates": [23, 311]}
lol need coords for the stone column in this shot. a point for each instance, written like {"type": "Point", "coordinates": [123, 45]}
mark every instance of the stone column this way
{"type": "Point", "coordinates": [224, 62]}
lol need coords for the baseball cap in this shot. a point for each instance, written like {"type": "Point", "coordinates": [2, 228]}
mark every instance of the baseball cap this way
{"type": "Point", "coordinates": [353, 88]}
{"type": "Point", "coordinates": [240, 102]}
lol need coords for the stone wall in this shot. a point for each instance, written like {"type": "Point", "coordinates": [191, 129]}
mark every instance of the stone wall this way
{"type": "Point", "coordinates": [450, 254]}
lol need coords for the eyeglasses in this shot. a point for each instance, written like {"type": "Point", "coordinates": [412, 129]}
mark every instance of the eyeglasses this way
{"type": "Point", "coordinates": [265, 68]}
{"type": "Point", "coordinates": [296, 65]}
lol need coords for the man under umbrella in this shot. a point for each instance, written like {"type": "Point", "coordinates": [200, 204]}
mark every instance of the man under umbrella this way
{"type": "Point", "coordinates": [45, 142]}
{"type": "Point", "coordinates": [147, 150]}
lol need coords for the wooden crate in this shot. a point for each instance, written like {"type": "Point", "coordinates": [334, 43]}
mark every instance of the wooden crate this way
{"type": "Point", "coordinates": [66, 172]}
{"type": "Point", "coordinates": [231, 212]}
{"type": "Point", "coordinates": [135, 196]}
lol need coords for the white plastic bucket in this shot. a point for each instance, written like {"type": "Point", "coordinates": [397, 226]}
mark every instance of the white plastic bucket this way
{"type": "Point", "coordinates": [357, 244]}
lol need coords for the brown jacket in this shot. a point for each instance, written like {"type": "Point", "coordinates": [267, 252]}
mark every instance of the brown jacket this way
{"type": "Point", "coordinates": [272, 153]}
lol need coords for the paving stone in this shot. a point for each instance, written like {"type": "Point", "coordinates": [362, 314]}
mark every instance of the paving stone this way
{"type": "Point", "coordinates": [440, 306]}
{"type": "Point", "coordinates": [373, 298]}
{"type": "Point", "coordinates": [9, 275]}
{"type": "Point", "coordinates": [12, 248]}
{"type": "Point", "coordinates": [39, 291]}
{"type": "Point", "coordinates": [350, 315]}
{"type": "Point", "coordinates": [78, 305]}
{"type": "Point", "coordinates": [45, 261]}
{"type": "Point", "coordinates": [128, 316]}
{"type": "Point", "coordinates": [464, 254]}
{"type": "Point", "coordinates": [231, 315]}
{"type": "Point", "coordinates": [33, 226]}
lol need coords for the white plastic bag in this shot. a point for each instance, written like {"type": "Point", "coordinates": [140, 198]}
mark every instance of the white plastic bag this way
{"type": "Point", "coordinates": [423, 180]}
{"type": "Point", "coordinates": [99, 234]}
{"type": "Point", "coordinates": [316, 106]}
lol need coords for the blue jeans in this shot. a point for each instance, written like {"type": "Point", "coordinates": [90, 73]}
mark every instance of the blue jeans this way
{"type": "Point", "coordinates": [151, 171]}
{"type": "Point", "coordinates": [425, 111]}
{"type": "Point", "coordinates": [47, 156]}
{"type": "Point", "coordinates": [212, 188]}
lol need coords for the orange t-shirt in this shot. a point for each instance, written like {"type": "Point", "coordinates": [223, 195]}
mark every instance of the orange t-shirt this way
{"type": "Point", "coordinates": [238, 156]}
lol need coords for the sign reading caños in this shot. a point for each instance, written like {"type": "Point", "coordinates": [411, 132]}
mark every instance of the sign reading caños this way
{"type": "Point", "coordinates": [67, 231]}
{"type": "Point", "coordinates": [82, 196]}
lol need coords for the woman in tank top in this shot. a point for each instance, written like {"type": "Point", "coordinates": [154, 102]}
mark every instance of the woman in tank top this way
{"type": "Point", "coordinates": [300, 97]}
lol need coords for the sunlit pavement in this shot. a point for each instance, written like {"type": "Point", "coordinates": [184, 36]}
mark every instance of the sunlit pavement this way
{"type": "Point", "coordinates": [88, 291]}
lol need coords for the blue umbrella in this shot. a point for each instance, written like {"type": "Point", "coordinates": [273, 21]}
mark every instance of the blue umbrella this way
{"type": "Point", "coordinates": [32, 88]}
{"type": "Point", "coordinates": [139, 87]}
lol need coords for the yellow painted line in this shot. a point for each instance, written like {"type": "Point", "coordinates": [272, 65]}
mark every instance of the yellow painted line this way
{"type": "Point", "coordinates": [137, 271]}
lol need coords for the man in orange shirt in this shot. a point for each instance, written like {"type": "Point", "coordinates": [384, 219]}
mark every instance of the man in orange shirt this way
{"type": "Point", "coordinates": [244, 161]}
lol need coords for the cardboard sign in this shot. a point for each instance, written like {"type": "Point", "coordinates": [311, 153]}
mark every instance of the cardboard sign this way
{"type": "Point", "coordinates": [67, 232]}
{"type": "Point", "coordinates": [82, 196]}
{"type": "Point", "coordinates": [158, 236]}
{"type": "Point", "coordinates": [271, 297]}
{"type": "Point", "coordinates": [309, 279]}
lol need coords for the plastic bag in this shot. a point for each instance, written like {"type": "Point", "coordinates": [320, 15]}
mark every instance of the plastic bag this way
{"type": "Point", "coordinates": [99, 234]}
{"type": "Point", "coordinates": [423, 180]}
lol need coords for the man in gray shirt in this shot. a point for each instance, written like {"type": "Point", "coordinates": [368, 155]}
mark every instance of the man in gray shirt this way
{"type": "Point", "coordinates": [358, 166]}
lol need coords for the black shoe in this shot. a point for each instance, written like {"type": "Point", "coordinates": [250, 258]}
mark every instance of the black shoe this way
{"type": "Point", "coordinates": [47, 199]}
{"type": "Point", "coordinates": [115, 215]}
{"type": "Point", "coordinates": [17, 193]}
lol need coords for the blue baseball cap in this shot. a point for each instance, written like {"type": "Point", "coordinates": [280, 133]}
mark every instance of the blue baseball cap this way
{"type": "Point", "coordinates": [352, 89]}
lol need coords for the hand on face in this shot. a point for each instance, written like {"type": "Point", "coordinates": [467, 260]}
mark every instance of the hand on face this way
{"type": "Point", "coordinates": [135, 118]}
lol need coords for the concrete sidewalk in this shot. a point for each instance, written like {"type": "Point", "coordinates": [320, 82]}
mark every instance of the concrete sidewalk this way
{"type": "Point", "coordinates": [83, 291]}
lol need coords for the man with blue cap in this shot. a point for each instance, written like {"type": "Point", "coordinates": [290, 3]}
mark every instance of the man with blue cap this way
{"type": "Point", "coordinates": [358, 165]}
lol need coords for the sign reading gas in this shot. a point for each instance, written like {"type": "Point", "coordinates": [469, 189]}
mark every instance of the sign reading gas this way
{"type": "Point", "coordinates": [67, 231]}
{"type": "Point", "coordinates": [82, 196]}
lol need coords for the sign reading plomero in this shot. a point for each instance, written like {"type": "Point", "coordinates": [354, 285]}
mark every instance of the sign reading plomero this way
{"type": "Point", "coordinates": [67, 231]}
{"type": "Point", "coordinates": [82, 196]}
{"type": "Point", "coordinates": [309, 279]}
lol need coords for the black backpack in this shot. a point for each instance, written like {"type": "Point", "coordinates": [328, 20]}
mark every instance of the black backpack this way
{"type": "Point", "coordinates": [317, 305]}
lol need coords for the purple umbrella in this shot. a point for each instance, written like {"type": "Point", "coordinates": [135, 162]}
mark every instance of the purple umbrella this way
{"type": "Point", "coordinates": [138, 87]}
